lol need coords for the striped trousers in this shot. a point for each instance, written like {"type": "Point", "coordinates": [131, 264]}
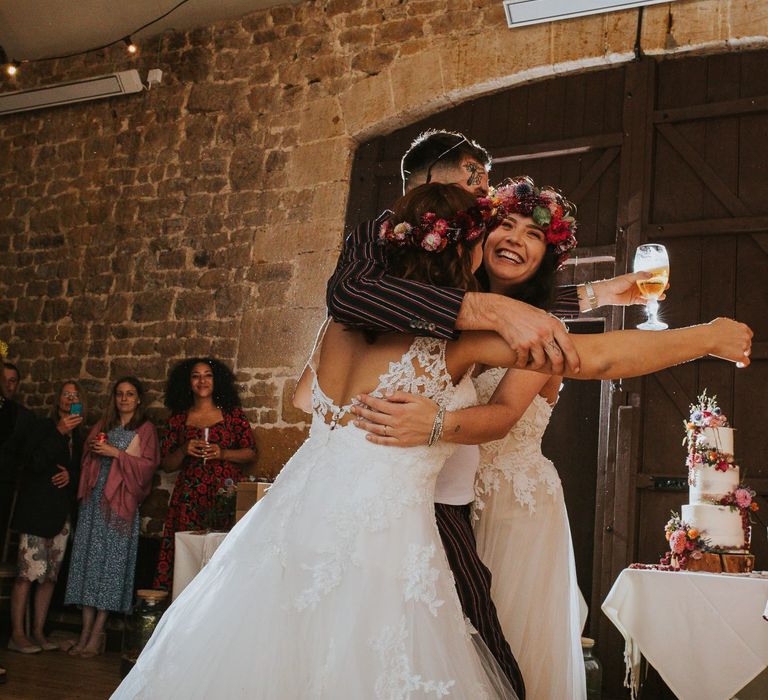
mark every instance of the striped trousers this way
{"type": "Point", "coordinates": [473, 584]}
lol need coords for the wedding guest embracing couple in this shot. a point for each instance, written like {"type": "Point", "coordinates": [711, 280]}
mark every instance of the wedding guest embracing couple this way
{"type": "Point", "coordinates": [356, 598]}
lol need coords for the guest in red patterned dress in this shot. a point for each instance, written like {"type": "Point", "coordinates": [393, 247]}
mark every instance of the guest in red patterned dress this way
{"type": "Point", "coordinates": [201, 395]}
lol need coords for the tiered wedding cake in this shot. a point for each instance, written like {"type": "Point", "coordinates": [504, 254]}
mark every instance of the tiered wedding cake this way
{"type": "Point", "coordinates": [718, 507]}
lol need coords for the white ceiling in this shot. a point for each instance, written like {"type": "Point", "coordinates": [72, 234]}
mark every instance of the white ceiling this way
{"type": "Point", "coordinates": [31, 29]}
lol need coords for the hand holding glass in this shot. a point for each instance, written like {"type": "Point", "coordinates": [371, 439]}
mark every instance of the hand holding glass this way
{"type": "Point", "coordinates": [652, 257]}
{"type": "Point", "coordinates": [206, 433]}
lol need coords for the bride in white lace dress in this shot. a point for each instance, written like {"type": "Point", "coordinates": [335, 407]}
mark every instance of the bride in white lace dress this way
{"type": "Point", "coordinates": [335, 585]}
{"type": "Point", "coordinates": [524, 537]}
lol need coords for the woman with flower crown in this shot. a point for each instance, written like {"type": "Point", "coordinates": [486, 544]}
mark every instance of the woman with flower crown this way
{"type": "Point", "coordinates": [335, 585]}
{"type": "Point", "coordinates": [523, 534]}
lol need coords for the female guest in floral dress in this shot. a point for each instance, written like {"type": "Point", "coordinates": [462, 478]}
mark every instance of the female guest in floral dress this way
{"type": "Point", "coordinates": [201, 394]}
{"type": "Point", "coordinates": [120, 457]}
{"type": "Point", "coordinates": [42, 515]}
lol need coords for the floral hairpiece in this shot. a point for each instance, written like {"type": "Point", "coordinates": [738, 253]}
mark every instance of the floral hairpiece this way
{"type": "Point", "coordinates": [547, 207]}
{"type": "Point", "coordinates": [433, 233]}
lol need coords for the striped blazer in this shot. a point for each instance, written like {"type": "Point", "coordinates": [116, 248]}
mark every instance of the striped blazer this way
{"type": "Point", "coordinates": [362, 293]}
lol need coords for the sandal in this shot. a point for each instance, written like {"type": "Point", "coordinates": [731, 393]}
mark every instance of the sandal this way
{"type": "Point", "coordinates": [23, 649]}
{"type": "Point", "coordinates": [101, 646]}
{"type": "Point", "coordinates": [45, 645]}
{"type": "Point", "coordinates": [67, 644]}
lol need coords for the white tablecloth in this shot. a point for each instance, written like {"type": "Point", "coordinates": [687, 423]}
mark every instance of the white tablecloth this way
{"type": "Point", "coordinates": [704, 633]}
{"type": "Point", "coordinates": [192, 552]}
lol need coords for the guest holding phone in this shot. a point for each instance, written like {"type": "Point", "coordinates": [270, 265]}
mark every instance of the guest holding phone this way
{"type": "Point", "coordinates": [42, 517]}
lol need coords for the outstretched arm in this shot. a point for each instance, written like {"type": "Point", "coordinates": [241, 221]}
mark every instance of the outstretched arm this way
{"type": "Point", "coordinates": [617, 291]}
{"type": "Point", "coordinates": [619, 354]}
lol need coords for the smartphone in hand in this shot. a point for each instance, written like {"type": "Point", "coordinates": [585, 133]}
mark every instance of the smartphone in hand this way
{"type": "Point", "coordinates": [76, 409]}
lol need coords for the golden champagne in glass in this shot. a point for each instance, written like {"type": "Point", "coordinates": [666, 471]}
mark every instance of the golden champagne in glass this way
{"type": "Point", "coordinates": [653, 258]}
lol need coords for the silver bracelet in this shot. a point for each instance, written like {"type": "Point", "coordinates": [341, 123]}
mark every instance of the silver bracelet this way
{"type": "Point", "coordinates": [591, 296]}
{"type": "Point", "coordinates": [437, 427]}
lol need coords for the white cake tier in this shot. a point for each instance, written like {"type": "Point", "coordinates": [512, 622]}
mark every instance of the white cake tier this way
{"type": "Point", "coordinates": [720, 439]}
{"type": "Point", "coordinates": [718, 524]}
{"type": "Point", "coordinates": [710, 484]}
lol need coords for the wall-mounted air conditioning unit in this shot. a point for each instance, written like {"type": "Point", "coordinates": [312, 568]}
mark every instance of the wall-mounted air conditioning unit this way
{"type": "Point", "coordinates": [97, 88]}
{"type": "Point", "coordinates": [522, 12]}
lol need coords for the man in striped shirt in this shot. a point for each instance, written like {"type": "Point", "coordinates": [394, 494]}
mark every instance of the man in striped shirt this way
{"type": "Point", "coordinates": [363, 294]}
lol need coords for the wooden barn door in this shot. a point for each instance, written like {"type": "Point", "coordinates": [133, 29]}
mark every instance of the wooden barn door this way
{"type": "Point", "coordinates": [702, 191]}
{"type": "Point", "coordinates": [670, 151]}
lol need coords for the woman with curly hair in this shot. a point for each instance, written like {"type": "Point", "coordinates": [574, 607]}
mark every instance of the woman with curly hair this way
{"type": "Point", "coordinates": [203, 400]}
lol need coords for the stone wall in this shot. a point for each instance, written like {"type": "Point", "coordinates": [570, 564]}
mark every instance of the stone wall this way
{"type": "Point", "coordinates": [204, 216]}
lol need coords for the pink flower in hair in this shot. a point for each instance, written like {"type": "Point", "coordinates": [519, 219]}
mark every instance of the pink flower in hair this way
{"type": "Point", "coordinates": [440, 227]}
{"type": "Point", "coordinates": [433, 242]}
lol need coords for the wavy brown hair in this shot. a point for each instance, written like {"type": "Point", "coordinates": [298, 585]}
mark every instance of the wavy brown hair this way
{"type": "Point", "coordinates": [453, 266]}
{"type": "Point", "coordinates": [110, 418]}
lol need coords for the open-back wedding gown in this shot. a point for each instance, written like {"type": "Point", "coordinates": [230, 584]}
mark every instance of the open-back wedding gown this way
{"type": "Point", "coordinates": [335, 585]}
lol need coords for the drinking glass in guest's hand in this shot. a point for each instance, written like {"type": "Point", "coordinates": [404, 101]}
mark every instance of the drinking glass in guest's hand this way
{"type": "Point", "coordinates": [206, 435]}
{"type": "Point", "coordinates": [653, 258]}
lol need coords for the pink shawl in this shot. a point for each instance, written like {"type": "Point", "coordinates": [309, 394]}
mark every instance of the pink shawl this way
{"type": "Point", "coordinates": [130, 478]}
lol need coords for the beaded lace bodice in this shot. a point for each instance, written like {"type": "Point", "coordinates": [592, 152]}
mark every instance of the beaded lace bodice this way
{"type": "Point", "coordinates": [420, 370]}
{"type": "Point", "coordinates": [516, 457]}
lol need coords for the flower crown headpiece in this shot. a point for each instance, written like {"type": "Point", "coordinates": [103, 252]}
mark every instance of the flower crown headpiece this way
{"type": "Point", "coordinates": [547, 207]}
{"type": "Point", "coordinates": [433, 233]}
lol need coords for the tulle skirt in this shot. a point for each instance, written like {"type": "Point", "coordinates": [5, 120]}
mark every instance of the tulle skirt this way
{"type": "Point", "coordinates": [334, 586]}
{"type": "Point", "coordinates": [541, 609]}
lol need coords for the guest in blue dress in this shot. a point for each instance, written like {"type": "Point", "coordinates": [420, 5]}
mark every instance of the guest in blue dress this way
{"type": "Point", "coordinates": [119, 459]}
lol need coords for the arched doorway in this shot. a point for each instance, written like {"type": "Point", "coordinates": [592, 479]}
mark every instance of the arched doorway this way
{"type": "Point", "coordinates": [665, 150]}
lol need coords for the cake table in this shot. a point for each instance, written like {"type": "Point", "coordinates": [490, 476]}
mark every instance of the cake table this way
{"type": "Point", "coordinates": [704, 633]}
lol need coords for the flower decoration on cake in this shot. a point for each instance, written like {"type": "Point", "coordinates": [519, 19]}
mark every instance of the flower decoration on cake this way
{"type": "Point", "coordinates": [433, 233]}
{"type": "Point", "coordinates": [703, 449]}
{"type": "Point", "coordinates": [684, 540]}
{"type": "Point", "coordinates": [547, 207]}
{"type": "Point", "coordinates": [743, 500]}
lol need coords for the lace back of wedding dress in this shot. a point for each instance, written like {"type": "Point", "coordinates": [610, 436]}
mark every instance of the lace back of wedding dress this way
{"type": "Point", "coordinates": [420, 370]}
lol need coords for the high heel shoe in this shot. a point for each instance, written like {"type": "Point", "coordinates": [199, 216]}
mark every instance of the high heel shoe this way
{"type": "Point", "coordinates": [25, 649]}
{"type": "Point", "coordinates": [100, 647]}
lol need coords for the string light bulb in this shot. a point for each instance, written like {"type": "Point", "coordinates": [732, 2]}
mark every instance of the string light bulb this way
{"type": "Point", "coordinates": [130, 46]}
{"type": "Point", "coordinates": [12, 68]}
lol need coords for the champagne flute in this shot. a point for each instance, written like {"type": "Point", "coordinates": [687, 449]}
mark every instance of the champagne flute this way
{"type": "Point", "coordinates": [206, 434]}
{"type": "Point", "coordinates": [652, 257]}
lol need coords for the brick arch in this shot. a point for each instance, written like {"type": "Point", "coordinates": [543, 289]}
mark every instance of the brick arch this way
{"type": "Point", "coordinates": [465, 67]}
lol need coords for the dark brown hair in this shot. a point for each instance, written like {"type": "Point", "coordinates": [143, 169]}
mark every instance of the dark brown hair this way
{"type": "Point", "coordinates": [110, 417]}
{"type": "Point", "coordinates": [453, 266]}
{"type": "Point", "coordinates": [439, 148]}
